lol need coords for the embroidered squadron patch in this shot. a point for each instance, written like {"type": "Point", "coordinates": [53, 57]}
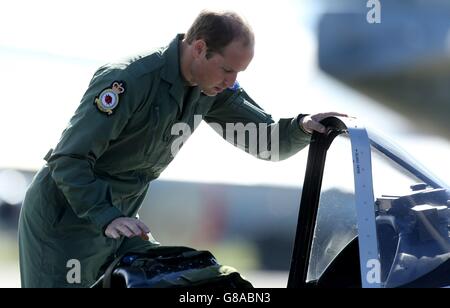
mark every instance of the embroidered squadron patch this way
{"type": "Point", "coordinates": [108, 99]}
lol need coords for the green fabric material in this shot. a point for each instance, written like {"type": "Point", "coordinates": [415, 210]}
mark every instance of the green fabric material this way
{"type": "Point", "coordinates": [102, 165]}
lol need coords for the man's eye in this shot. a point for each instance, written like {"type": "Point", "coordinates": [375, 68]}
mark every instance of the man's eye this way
{"type": "Point", "coordinates": [227, 71]}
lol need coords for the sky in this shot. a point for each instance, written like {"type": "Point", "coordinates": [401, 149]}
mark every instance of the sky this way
{"type": "Point", "coordinates": [50, 49]}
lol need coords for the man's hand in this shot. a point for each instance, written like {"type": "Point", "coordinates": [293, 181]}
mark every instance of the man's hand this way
{"type": "Point", "coordinates": [129, 227]}
{"type": "Point", "coordinates": [311, 123]}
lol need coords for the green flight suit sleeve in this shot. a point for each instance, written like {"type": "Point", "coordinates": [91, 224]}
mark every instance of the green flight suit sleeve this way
{"type": "Point", "coordinates": [84, 140]}
{"type": "Point", "coordinates": [246, 125]}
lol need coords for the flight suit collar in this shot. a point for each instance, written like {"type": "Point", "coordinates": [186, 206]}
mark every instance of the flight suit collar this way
{"type": "Point", "coordinates": [172, 71]}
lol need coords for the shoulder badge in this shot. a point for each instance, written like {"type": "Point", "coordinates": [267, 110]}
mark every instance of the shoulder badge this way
{"type": "Point", "coordinates": [108, 99]}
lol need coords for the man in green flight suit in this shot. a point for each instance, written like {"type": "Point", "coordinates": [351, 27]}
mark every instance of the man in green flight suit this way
{"type": "Point", "coordinates": [81, 208]}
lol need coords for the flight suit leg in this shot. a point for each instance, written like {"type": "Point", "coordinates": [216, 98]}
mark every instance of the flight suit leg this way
{"type": "Point", "coordinates": [57, 248]}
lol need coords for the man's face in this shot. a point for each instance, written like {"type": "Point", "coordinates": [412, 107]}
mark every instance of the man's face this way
{"type": "Point", "coordinates": [219, 72]}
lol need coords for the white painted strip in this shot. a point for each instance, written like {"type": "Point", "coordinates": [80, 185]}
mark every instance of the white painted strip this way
{"type": "Point", "coordinates": [364, 201]}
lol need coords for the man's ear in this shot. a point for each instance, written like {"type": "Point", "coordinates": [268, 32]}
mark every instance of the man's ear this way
{"type": "Point", "coordinates": [199, 48]}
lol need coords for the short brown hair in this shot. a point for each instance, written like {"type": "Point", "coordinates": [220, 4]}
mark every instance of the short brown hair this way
{"type": "Point", "coordinates": [218, 29]}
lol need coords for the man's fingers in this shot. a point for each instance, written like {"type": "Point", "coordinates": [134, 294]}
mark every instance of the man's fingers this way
{"type": "Point", "coordinates": [126, 226]}
{"type": "Point", "coordinates": [124, 230]}
{"type": "Point", "coordinates": [142, 226]}
{"type": "Point", "coordinates": [336, 114]}
{"type": "Point", "coordinates": [134, 227]}
{"type": "Point", "coordinates": [112, 233]}
{"type": "Point", "coordinates": [317, 127]}
{"type": "Point", "coordinates": [310, 124]}
{"type": "Point", "coordinates": [145, 230]}
{"type": "Point", "coordinates": [137, 228]}
{"type": "Point", "coordinates": [321, 116]}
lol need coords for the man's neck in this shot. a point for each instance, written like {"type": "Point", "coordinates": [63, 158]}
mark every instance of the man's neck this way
{"type": "Point", "coordinates": [185, 63]}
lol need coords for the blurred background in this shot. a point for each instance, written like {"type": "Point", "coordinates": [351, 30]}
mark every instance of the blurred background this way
{"type": "Point", "coordinates": [311, 56]}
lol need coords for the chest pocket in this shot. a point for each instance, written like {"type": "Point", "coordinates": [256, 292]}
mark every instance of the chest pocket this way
{"type": "Point", "coordinates": [163, 113]}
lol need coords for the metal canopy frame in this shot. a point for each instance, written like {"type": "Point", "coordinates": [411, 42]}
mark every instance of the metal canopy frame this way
{"type": "Point", "coordinates": [309, 204]}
